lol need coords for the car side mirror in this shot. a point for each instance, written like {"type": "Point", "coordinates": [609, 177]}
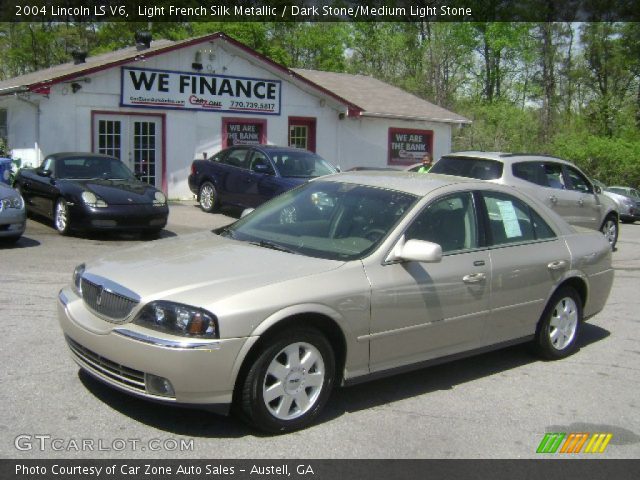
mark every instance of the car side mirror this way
{"type": "Point", "coordinates": [246, 212]}
{"type": "Point", "coordinates": [416, 251]}
{"type": "Point", "coordinates": [597, 189]}
{"type": "Point", "coordinates": [44, 173]}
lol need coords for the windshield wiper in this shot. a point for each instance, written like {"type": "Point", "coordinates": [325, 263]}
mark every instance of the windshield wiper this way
{"type": "Point", "coordinates": [273, 246]}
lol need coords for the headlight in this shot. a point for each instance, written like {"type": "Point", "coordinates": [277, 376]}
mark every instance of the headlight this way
{"type": "Point", "coordinates": [178, 319]}
{"type": "Point", "coordinates": [159, 200]}
{"type": "Point", "coordinates": [11, 202]}
{"type": "Point", "coordinates": [77, 277]}
{"type": "Point", "coordinates": [93, 200]}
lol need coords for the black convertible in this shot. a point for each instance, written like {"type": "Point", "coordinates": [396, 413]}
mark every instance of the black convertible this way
{"type": "Point", "coordinates": [89, 191]}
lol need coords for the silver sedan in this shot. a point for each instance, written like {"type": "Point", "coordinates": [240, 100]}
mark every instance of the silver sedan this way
{"type": "Point", "coordinates": [342, 280]}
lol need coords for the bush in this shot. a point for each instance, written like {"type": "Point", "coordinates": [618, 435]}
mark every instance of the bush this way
{"type": "Point", "coordinates": [613, 161]}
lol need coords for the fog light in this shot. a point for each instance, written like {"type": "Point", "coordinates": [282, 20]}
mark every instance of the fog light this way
{"type": "Point", "coordinates": [158, 386]}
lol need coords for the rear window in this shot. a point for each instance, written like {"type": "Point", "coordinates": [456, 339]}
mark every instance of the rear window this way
{"type": "Point", "coordinates": [479, 168]}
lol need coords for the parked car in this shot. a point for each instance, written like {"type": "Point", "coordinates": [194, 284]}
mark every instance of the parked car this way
{"type": "Point", "coordinates": [344, 279]}
{"type": "Point", "coordinates": [12, 214]}
{"type": "Point", "coordinates": [249, 175]}
{"type": "Point", "coordinates": [89, 191]}
{"type": "Point", "coordinates": [627, 191]}
{"type": "Point", "coordinates": [559, 184]}
{"type": "Point", "coordinates": [627, 207]}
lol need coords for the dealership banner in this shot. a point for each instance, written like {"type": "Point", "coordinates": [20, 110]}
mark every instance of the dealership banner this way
{"type": "Point", "coordinates": [195, 91]}
{"type": "Point", "coordinates": [408, 146]}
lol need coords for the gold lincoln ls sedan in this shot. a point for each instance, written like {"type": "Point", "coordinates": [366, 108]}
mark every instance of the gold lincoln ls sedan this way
{"type": "Point", "coordinates": [345, 279]}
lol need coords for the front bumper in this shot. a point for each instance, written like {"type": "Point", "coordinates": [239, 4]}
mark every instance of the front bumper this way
{"type": "Point", "coordinates": [202, 373]}
{"type": "Point", "coordinates": [12, 222]}
{"type": "Point", "coordinates": [119, 217]}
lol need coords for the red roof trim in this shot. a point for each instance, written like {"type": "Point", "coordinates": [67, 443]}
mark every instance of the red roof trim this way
{"type": "Point", "coordinates": [353, 109]}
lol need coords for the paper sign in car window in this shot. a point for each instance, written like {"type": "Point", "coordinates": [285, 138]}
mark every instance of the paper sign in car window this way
{"type": "Point", "coordinates": [509, 219]}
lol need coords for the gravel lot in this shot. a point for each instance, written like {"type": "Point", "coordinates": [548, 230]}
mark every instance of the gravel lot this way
{"type": "Point", "coordinates": [498, 405]}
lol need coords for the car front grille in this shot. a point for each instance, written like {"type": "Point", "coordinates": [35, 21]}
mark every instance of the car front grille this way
{"type": "Point", "coordinates": [97, 364]}
{"type": "Point", "coordinates": [113, 306]}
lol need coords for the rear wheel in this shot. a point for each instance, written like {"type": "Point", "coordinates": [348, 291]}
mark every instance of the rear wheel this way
{"type": "Point", "coordinates": [559, 326]}
{"type": "Point", "coordinates": [61, 217]}
{"type": "Point", "coordinates": [610, 230]}
{"type": "Point", "coordinates": [289, 382]}
{"type": "Point", "coordinates": [208, 197]}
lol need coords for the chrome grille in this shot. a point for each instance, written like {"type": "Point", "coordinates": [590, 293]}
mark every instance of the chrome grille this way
{"type": "Point", "coordinates": [125, 376]}
{"type": "Point", "coordinates": [105, 302]}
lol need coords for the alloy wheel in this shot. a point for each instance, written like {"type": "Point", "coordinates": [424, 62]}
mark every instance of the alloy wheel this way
{"type": "Point", "coordinates": [563, 323]}
{"type": "Point", "coordinates": [293, 381]}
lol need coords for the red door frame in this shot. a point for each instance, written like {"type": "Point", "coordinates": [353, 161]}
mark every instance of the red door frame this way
{"type": "Point", "coordinates": [163, 128]}
{"type": "Point", "coordinates": [310, 123]}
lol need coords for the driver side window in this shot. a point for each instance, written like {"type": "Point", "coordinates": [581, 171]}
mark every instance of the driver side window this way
{"type": "Point", "coordinates": [449, 222]}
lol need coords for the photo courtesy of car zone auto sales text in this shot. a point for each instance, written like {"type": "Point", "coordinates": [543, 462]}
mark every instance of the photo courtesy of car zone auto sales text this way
{"type": "Point", "coordinates": [320, 239]}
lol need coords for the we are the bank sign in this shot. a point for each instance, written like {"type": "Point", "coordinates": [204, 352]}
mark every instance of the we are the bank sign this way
{"type": "Point", "coordinates": [203, 92]}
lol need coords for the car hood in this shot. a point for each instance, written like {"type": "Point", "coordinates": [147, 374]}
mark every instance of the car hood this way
{"type": "Point", "coordinates": [203, 268]}
{"type": "Point", "coordinates": [118, 192]}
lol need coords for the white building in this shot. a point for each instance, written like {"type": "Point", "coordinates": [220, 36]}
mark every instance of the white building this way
{"type": "Point", "coordinates": [159, 105]}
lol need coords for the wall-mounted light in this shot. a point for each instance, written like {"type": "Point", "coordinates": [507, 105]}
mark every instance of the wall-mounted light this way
{"type": "Point", "coordinates": [197, 61]}
{"type": "Point", "coordinates": [75, 87]}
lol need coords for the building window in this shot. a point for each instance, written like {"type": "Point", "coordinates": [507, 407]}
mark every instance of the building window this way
{"type": "Point", "coordinates": [144, 150]}
{"type": "Point", "coordinates": [110, 138]}
{"type": "Point", "coordinates": [4, 135]}
{"type": "Point", "coordinates": [302, 133]}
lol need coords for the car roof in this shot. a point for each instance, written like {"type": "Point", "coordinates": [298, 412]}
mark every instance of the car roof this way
{"type": "Point", "coordinates": [419, 184]}
{"type": "Point", "coordinates": [78, 154]}
{"type": "Point", "coordinates": [507, 158]}
{"type": "Point", "coordinates": [273, 148]}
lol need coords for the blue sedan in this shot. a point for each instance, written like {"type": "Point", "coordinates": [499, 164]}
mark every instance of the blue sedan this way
{"type": "Point", "coordinates": [249, 175]}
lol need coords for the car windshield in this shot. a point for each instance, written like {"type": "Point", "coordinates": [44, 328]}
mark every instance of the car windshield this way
{"type": "Point", "coordinates": [80, 168]}
{"type": "Point", "coordinates": [479, 168]}
{"type": "Point", "coordinates": [337, 221]}
{"type": "Point", "coordinates": [301, 164]}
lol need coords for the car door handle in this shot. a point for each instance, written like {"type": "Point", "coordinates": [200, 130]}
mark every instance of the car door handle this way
{"type": "Point", "coordinates": [553, 199]}
{"type": "Point", "coordinates": [474, 278]}
{"type": "Point", "coordinates": [581, 202]}
{"type": "Point", "coordinates": [557, 265]}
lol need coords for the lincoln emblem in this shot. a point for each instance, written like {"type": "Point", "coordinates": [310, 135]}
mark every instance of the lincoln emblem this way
{"type": "Point", "coordinates": [99, 296]}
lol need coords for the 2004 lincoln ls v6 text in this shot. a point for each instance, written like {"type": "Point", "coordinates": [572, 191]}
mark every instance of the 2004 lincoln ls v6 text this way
{"type": "Point", "coordinates": [346, 278]}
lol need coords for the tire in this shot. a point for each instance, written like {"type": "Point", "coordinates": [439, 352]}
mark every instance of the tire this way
{"type": "Point", "coordinates": [275, 408]}
{"type": "Point", "coordinates": [61, 220]}
{"type": "Point", "coordinates": [151, 234]}
{"type": "Point", "coordinates": [610, 229]}
{"type": "Point", "coordinates": [9, 240]}
{"type": "Point", "coordinates": [559, 326]}
{"type": "Point", "coordinates": [208, 197]}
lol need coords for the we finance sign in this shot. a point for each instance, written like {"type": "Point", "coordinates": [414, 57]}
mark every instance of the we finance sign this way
{"type": "Point", "coordinates": [203, 92]}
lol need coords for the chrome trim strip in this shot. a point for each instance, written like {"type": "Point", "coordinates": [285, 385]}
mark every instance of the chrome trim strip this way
{"type": "Point", "coordinates": [410, 328]}
{"type": "Point", "coordinates": [518, 305]}
{"type": "Point", "coordinates": [111, 286]}
{"type": "Point", "coordinates": [62, 297]}
{"type": "Point", "coordinates": [161, 342]}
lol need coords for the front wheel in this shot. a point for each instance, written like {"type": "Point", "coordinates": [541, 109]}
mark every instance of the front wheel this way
{"type": "Point", "coordinates": [61, 217]}
{"type": "Point", "coordinates": [289, 382]}
{"type": "Point", "coordinates": [559, 326]}
{"type": "Point", "coordinates": [610, 230]}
